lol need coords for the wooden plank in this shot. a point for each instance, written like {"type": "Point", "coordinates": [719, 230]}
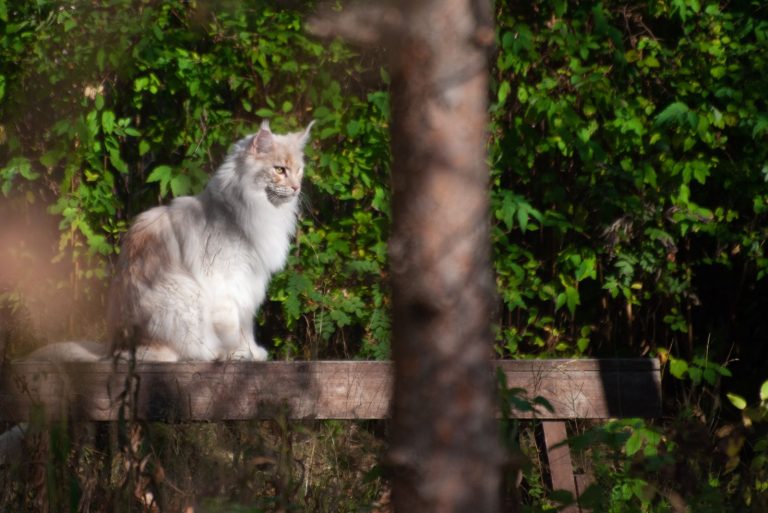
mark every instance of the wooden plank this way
{"type": "Point", "coordinates": [302, 390]}
{"type": "Point", "coordinates": [559, 459]}
{"type": "Point", "coordinates": [590, 388]}
{"type": "Point", "coordinates": [583, 481]}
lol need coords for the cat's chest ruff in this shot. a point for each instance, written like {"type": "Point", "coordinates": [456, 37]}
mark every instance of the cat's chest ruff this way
{"type": "Point", "coordinates": [238, 260]}
{"type": "Point", "coordinates": [230, 261]}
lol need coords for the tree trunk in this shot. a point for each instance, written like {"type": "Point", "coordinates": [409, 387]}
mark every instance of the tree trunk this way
{"type": "Point", "coordinates": [445, 450]}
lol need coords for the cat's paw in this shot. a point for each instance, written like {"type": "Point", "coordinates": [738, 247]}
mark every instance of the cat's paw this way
{"type": "Point", "coordinates": [254, 353]}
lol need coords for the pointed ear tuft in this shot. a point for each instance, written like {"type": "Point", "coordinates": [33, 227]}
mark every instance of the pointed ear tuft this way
{"type": "Point", "coordinates": [304, 138]}
{"type": "Point", "coordinates": [262, 143]}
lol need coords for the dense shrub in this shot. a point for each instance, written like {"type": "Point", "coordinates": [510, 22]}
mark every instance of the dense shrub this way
{"type": "Point", "coordinates": [109, 108]}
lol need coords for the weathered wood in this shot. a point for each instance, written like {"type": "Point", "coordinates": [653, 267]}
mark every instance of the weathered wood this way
{"type": "Point", "coordinates": [590, 388]}
{"type": "Point", "coordinates": [319, 389]}
{"type": "Point", "coordinates": [583, 481]}
{"type": "Point", "coordinates": [559, 459]}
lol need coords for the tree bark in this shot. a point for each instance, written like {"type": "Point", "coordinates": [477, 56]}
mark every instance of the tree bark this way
{"type": "Point", "coordinates": [445, 452]}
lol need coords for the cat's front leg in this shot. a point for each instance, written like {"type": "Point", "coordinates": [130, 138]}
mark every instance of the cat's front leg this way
{"type": "Point", "coordinates": [235, 335]}
{"type": "Point", "coordinates": [252, 352]}
{"type": "Point", "coordinates": [248, 348]}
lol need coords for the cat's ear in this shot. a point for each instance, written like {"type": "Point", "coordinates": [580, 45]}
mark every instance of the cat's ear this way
{"type": "Point", "coordinates": [304, 136]}
{"type": "Point", "coordinates": [262, 143]}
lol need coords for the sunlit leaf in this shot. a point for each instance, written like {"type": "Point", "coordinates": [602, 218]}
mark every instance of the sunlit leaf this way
{"type": "Point", "coordinates": [737, 400]}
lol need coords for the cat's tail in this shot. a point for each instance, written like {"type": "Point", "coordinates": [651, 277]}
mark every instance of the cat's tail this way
{"type": "Point", "coordinates": [12, 441]}
{"type": "Point", "coordinates": [69, 352]}
{"type": "Point", "coordinates": [62, 352]}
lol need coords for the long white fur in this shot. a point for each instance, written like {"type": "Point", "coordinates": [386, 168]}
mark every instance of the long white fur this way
{"type": "Point", "coordinates": [191, 289]}
{"type": "Point", "coordinates": [208, 259]}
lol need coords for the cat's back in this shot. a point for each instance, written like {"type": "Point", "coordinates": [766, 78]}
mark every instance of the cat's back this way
{"type": "Point", "coordinates": [148, 247]}
{"type": "Point", "coordinates": [151, 257]}
{"type": "Point", "coordinates": [160, 235]}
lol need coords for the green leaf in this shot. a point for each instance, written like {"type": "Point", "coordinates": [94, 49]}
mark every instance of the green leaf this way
{"type": "Point", "coordinates": [50, 158]}
{"type": "Point", "coordinates": [738, 401]}
{"type": "Point", "coordinates": [117, 161]}
{"type": "Point", "coordinates": [674, 112]}
{"type": "Point", "coordinates": [560, 301]}
{"type": "Point", "coordinates": [764, 391]}
{"type": "Point", "coordinates": [633, 443]}
{"type": "Point", "coordinates": [695, 373]}
{"type": "Point", "coordinates": [340, 318]}
{"type": "Point", "coordinates": [522, 216]}
{"type": "Point", "coordinates": [163, 175]}
{"type": "Point", "coordinates": [160, 174]}
{"type": "Point", "coordinates": [572, 298]}
{"type": "Point", "coordinates": [140, 84]}
{"type": "Point", "coordinates": [180, 185]}
{"type": "Point", "coordinates": [504, 89]}
{"type": "Point", "coordinates": [353, 128]}
{"type": "Point", "coordinates": [678, 367]}
{"type": "Point", "coordinates": [108, 121]}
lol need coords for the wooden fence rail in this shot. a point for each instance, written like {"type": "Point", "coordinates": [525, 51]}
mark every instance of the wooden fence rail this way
{"type": "Point", "coordinates": [171, 392]}
{"type": "Point", "coordinates": [583, 389]}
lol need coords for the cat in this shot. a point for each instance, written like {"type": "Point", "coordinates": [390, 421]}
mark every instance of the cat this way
{"type": "Point", "coordinates": [192, 275]}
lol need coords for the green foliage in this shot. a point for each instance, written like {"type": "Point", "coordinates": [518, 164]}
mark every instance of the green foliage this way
{"type": "Point", "coordinates": [114, 117]}
{"type": "Point", "coordinates": [628, 163]}
{"type": "Point", "coordinates": [629, 201]}
{"type": "Point", "coordinates": [629, 206]}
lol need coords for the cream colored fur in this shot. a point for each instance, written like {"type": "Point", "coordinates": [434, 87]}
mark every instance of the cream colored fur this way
{"type": "Point", "coordinates": [192, 275]}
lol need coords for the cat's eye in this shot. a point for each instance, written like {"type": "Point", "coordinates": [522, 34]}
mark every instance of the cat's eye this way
{"type": "Point", "coordinates": [281, 170]}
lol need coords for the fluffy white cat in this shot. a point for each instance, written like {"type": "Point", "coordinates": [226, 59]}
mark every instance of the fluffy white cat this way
{"type": "Point", "coordinates": [192, 275]}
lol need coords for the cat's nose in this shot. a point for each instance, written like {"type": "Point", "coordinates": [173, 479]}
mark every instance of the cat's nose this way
{"type": "Point", "coordinates": [295, 187]}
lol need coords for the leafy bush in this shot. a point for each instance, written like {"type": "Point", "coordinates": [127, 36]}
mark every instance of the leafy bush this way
{"type": "Point", "coordinates": [629, 176]}
{"type": "Point", "coordinates": [103, 118]}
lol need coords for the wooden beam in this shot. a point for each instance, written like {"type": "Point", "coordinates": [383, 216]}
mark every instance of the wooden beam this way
{"type": "Point", "coordinates": [559, 460]}
{"type": "Point", "coordinates": [303, 390]}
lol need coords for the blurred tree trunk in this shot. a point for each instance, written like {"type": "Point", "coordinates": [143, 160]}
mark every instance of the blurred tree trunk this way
{"type": "Point", "coordinates": [445, 450]}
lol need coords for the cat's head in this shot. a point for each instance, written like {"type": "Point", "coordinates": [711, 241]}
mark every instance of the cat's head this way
{"type": "Point", "coordinates": [279, 159]}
